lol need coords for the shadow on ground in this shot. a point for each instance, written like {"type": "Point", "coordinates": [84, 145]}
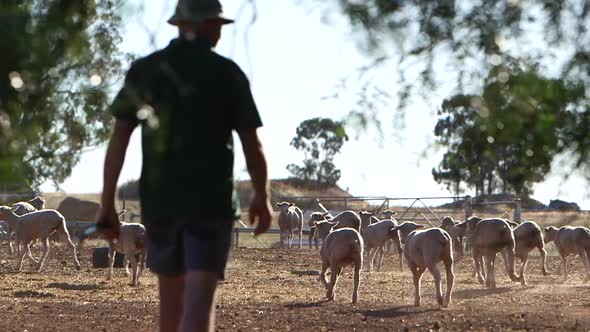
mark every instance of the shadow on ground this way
{"type": "Point", "coordinates": [80, 287]}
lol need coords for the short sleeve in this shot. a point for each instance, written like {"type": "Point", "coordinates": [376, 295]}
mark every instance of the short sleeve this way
{"type": "Point", "coordinates": [243, 108]}
{"type": "Point", "coordinates": [128, 101]}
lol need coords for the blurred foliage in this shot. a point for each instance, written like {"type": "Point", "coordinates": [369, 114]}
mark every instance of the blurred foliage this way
{"type": "Point", "coordinates": [320, 139]}
{"type": "Point", "coordinates": [507, 138]}
{"type": "Point", "coordinates": [59, 59]}
{"type": "Point", "coordinates": [461, 40]}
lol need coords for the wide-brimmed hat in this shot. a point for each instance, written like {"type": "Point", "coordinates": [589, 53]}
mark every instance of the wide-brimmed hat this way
{"type": "Point", "coordinates": [195, 11]}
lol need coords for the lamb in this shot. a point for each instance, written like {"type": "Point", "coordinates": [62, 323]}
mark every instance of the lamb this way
{"type": "Point", "coordinates": [347, 219]}
{"type": "Point", "coordinates": [424, 249]}
{"type": "Point", "coordinates": [367, 218]}
{"type": "Point", "coordinates": [456, 233]}
{"type": "Point", "coordinates": [315, 216]}
{"type": "Point", "coordinates": [131, 242]}
{"type": "Point", "coordinates": [342, 247]}
{"type": "Point", "coordinates": [19, 208]}
{"type": "Point", "coordinates": [37, 225]}
{"type": "Point", "coordinates": [388, 214]}
{"type": "Point", "coordinates": [528, 236]}
{"type": "Point", "coordinates": [570, 240]}
{"type": "Point", "coordinates": [290, 219]}
{"type": "Point", "coordinates": [322, 229]}
{"type": "Point", "coordinates": [375, 236]}
{"type": "Point", "coordinates": [38, 202]}
{"type": "Point", "coordinates": [490, 237]}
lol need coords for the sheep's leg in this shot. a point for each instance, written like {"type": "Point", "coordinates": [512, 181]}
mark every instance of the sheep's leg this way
{"type": "Point", "coordinates": [543, 253]}
{"type": "Point", "coordinates": [437, 284]}
{"type": "Point", "coordinates": [448, 261]}
{"type": "Point", "coordinates": [45, 253]}
{"type": "Point", "coordinates": [335, 272]}
{"type": "Point", "coordinates": [134, 268]}
{"type": "Point", "coordinates": [112, 253]}
{"type": "Point", "coordinates": [141, 262]}
{"type": "Point", "coordinates": [510, 264]}
{"type": "Point", "coordinates": [381, 252]}
{"type": "Point", "coordinates": [74, 253]}
{"type": "Point", "coordinates": [417, 272]}
{"type": "Point", "coordinates": [357, 280]}
{"type": "Point", "coordinates": [126, 262]}
{"type": "Point", "coordinates": [311, 237]}
{"type": "Point", "coordinates": [525, 260]}
{"type": "Point", "coordinates": [325, 266]}
{"type": "Point", "coordinates": [490, 262]}
{"type": "Point", "coordinates": [564, 267]}
{"type": "Point", "coordinates": [584, 257]}
{"type": "Point", "coordinates": [478, 266]}
{"type": "Point", "coordinates": [30, 255]}
{"type": "Point", "coordinates": [300, 235]}
{"type": "Point", "coordinates": [372, 253]}
{"type": "Point", "coordinates": [20, 259]}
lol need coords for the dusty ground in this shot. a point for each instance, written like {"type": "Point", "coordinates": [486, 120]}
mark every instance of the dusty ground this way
{"type": "Point", "coordinates": [274, 289]}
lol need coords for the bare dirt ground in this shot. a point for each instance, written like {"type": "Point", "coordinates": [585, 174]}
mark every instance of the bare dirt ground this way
{"type": "Point", "coordinates": [278, 290]}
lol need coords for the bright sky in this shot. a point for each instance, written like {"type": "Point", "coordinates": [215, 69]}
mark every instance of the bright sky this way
{"type": "Point", "coordinates": [293, 60]}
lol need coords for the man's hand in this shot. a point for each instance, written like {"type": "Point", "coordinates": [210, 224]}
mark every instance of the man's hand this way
{"type": "Point", "coordinates": [107, 224]}
{"type": "Point", "coordinates": [260, 213]}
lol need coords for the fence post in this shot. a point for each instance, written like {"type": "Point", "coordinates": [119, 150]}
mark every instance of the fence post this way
{"type": "Point", "coordinates": [468, 207]}
{"type": "Point", "coordinates": [517, 209]}
{"type": "Point", "coordinates": [346, 203]}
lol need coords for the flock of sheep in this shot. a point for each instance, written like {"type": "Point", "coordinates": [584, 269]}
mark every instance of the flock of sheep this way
{"type": "Point", "coordinates": [349, 238]}
{"type": "Point", "coordinates": [28, 222]}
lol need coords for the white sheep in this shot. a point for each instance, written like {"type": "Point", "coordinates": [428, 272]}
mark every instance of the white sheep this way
{"type": "Point", "coordinates": [489, 237]}
{"type": "Point", "coordinates": [19, 208]}
{"type": "Point", "coordinates": [570, 240]}
{"type": "Point", "coordinates": [342, 247]}
{"type": "Point", "coordinates": [375, 236]}
{"type": "Point", "coordinates": [456, 232]}
{"type": "Point", "coordinates": [423, 249]}
{"type": "Point", "coordinates": [37, 225]}
{"type": "Point", "coordinates": [131, 242]}
{"type": "Point", "coordinates": [290, 219]}
{"type": "Point", "coordinates": [38, 202]}
{"type": "Point", "coordinates": [527, 236]}
{"type": "Point", "coordinates": [313, 218]}
{"type": "Point", "coordinates": [347, 219]}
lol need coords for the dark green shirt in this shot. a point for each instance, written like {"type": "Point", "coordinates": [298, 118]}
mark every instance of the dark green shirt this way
{"type": "Point", "coordinates": [188, 100]}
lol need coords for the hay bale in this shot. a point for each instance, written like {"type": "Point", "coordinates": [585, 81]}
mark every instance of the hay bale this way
{"type": "Point", "coordinates": [100, 258]}
{"type": "Point", "coordinates": [77, 209]}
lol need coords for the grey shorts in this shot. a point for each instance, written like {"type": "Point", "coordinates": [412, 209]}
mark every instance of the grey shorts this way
{"type": "Point", "coordinates": [179, 246]}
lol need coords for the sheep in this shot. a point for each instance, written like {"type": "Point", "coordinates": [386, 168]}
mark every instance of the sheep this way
{"type": "Point", "coordinates": [528, 236]}
{"type": "Point", "coordinates": [290, 219]}
{"type": "Point", "coordinates": [131, 242]}
{"type": "Point", "coordinates": [570, 240]}
{"type": "Point", "coordinates": [375, 237]}
{"type": "Point", "coordinates": [388, 214]}
{"type": "Point", "coordinates": [367, 218]}
{"type": "Point", "coordinates": [38, 202]}
{"type": "Point", "coordinates": [322, 229]}
{"type": "Point", "coordinates": [489, 237]}
{"type": "Point", "coordinates": [37, 225]}
{"type": "Point", "coordinates": [315, 216]}
{"type": "Point", "coordinates": [19, 208]}
{"type": "Point", "coordinates": [424, 249]}
{"type": "Point", "coordinates": [456, 233]}
{"type": "Point", "coordinates": [347, 219]}
{"type": "Point", "coordinates": [342, 247]}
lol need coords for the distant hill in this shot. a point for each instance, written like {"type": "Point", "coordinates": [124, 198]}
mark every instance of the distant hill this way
{"type": "Point", "coordinates": [283, 189]}
{"type": "Point", "coordinates": [527, 203]}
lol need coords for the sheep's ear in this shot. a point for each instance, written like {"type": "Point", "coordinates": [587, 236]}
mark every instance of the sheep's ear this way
{"type": "Point", "coordinates": [291, 204]}
{"type": "Point", "coordinates": [393, 229]}
{"type": "Point", "coordinates": [278, 204]}
{"type": "Point", "coordinates": [547, 229]}
{"type": "Point", "coordinates": [420, 226]}
{"type": "Point", "coordinates": [461, 224]}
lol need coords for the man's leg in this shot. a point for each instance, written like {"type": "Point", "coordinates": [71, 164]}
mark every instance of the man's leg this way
{"type": "Point", "coordinates": [199, 301]}
{"type": "Point", "coordinates": [171, 291]}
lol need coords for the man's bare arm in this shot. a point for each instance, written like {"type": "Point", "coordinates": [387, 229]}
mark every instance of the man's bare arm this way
{"type": "Point", "coordinates": [256, 163]}
{"type": "Point", "coordinates": [113, 163]}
